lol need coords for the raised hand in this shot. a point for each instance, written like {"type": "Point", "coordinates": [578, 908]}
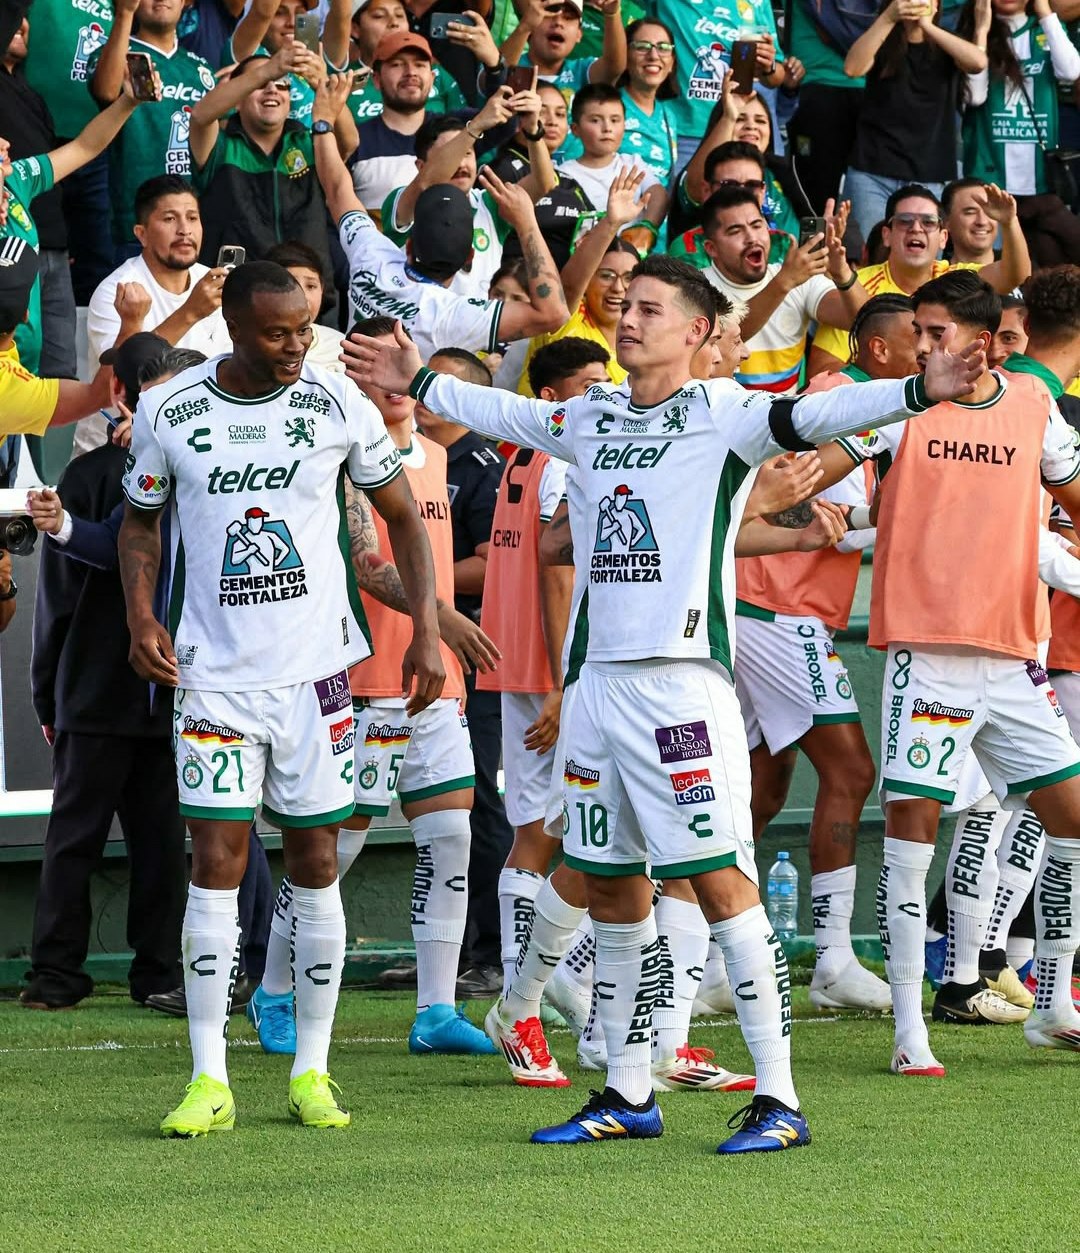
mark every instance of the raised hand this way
{"type": "Point", "coordinates": [330, 97]}
{"type": "Point", "coordinates": [997, 204]}
{"type": "Point", "coordinates": [951, 374]}
{"type": "Point", "coordinates": [205, 297]}
{"type": "Point", "coordinates": [782, 482]}
{"type": "Point", "coordinates": [132, 302]}
{"type": "Point", "coordinates": [46, 510]}
{"type": "Point", "coordinates": [511, 199]}
{"type": "Point", "coordinates": [623, 205]}
{"type": "Point", "coordinates": [496, 110]}
{"type": "Point", "coordinates": [374, 361]}
{"type": "Point", "coordinates": [827, 528]}
{"type": "Point", "coordinates": [478, 39]}
{"type": "Point", "coordinates": [802, 263]}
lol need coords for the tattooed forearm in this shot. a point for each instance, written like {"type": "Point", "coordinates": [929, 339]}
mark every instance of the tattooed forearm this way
{"type": "Point", "coordinates": [363, 538]}
{"type": "Point", "coordinates": [381, 580]}
{"type": "Point", "coordinates": [544, 280]}
{"type": "Point", "coordinates": [556, 541]}
{"type": "Point", "coordinates": [139, 550]}
{"type": "Point", "coordinates": [794, 518]}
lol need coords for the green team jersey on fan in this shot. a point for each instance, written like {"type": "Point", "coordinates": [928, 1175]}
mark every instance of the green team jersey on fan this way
{"type": "Point", "coordinates": [1003, 144]}
{"type": "Point", "coordinates": [662, 492]}
{"type": "Point", "coordinates": [704, 33]}
{"type": "Point", "coordinates": [445, 96]}
{"type": "Point", "coordinates": [28, 178]}
{"type": "Point", "coordinates": [261, 591]}
{"type": "Point", "coordinates": [155, 138]}
{"type": "Point", "coordinates": [64, 35]}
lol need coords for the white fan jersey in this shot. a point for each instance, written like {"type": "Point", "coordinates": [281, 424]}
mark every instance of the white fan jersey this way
{"type": "Point", "coordinates": [261, 592]}
{"type": "Point", "coordinates": [661, 491]}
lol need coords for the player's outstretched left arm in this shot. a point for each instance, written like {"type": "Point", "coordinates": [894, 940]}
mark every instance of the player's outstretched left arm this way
{"type": "Point", "coordinates": [422, 670]}
{"type": "Point", "coordinates": [814, 419]}
{"type": "Point", "coordinates": [398, 367]}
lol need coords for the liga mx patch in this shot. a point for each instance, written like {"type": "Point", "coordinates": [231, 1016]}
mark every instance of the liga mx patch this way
{"type": "Point", "coordinates": [683, 743]}
{"type": "Point", "coordinates": [693, 787]}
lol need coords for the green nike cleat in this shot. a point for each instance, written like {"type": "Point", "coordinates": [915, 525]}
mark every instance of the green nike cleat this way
{"type": "Point", "coordinates": [208, 1106]}
{"type": "Point", "coordinates": [312, 1101]}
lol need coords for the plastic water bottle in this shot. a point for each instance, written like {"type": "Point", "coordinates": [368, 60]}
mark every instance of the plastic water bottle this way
{"type": "Point", "coordinates": [782, 897]}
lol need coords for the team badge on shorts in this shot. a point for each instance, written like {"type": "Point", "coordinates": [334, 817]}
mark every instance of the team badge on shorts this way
{"type": "Point", "coordinates": [192, 774]}
{"type": "Point", "coordinates": [918, 754]}
{"type": "Point", "coordinates": [843, 685]}
{"type": "Point", "coordinates": [369, 776]}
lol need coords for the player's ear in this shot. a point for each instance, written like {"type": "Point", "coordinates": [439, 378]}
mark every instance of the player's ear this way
{"type": "Point", "coordinates": [547, 393]}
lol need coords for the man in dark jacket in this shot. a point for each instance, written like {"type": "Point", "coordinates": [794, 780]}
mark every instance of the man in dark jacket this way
{"type": "Point", "coordinates": [111, 750]}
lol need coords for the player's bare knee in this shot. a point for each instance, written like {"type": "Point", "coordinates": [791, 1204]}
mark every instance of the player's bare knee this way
{"type": "Point", "coordinates": [570, 885]}
{"type": "Point", "coordinates": [725, 893]}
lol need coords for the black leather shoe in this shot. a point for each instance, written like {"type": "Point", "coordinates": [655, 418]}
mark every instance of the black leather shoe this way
{"type": "Point", "coordinates": [36, 996]}
{"type": "Point", "coordinates": [398, 977]}
{"type": "Point", "coordinates": [174, 1003]}
{"type": "Point", "coordinates": [479, 982]}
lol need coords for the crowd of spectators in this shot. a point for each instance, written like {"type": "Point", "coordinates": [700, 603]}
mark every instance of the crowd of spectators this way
{"type": "Point", "coordinates": [419, 159]}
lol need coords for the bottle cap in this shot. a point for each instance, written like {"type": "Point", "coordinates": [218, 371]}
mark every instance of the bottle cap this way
{"type": "Point", "coordinates": [783, 856]}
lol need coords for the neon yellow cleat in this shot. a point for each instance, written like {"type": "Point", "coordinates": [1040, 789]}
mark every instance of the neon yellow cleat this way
{"type": "Point", "coordinates": [208, 1106]}
{"type": "Point", "coordinates": [312, 1101]}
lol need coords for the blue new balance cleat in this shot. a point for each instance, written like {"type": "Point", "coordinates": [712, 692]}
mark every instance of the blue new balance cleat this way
{"type": "Point", "coordinates": [764, 1126]}
{"type": "Point", "coordinates": [274, 1018]}
{"type": "Point", "coordinates": [444, 1029]}
{"type": "Point", "coordinates": [606, 1117]}
{"type": "Point", "coordinates": [935, 953]}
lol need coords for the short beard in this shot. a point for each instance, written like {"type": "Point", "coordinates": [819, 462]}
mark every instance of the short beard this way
{"type": "Point", "coordinates": [404, 106]}
{"type": "Point", "coordinates": [168, 262]}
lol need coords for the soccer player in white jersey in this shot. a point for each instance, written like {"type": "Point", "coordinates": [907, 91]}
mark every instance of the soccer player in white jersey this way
{"type": "Point", "coordinates": [962, 666]}
{"type": "Point", "coordinates": [260, 636]}
{"type": "Point", "coordinates": [652, 718]}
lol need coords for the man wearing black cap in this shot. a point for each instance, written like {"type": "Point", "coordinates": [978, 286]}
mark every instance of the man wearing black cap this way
{"type": "Point", "coordinates": [28, 404]}
{"type": "Point", "coordinates": [111, 748]}
{"type": "Point", "coordinates": [411, 285]}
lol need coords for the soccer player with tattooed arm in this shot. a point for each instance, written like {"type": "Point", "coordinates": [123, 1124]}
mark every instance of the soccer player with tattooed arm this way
{"type": "Point", "coordinates": [663, 467]}
{"type": "Point", "coordinates": [251, 452]}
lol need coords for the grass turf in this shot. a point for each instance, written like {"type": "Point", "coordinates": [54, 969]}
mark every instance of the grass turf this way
{"type": "Point", "coordinates": [437, 1157]}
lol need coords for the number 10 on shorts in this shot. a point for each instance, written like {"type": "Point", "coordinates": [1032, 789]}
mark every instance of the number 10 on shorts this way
{"type": "Point", "coordinates": [590, 822]}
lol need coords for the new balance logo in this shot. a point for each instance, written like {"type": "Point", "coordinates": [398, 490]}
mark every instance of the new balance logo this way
{"type": "Point", "coordinates": [603, 1128]}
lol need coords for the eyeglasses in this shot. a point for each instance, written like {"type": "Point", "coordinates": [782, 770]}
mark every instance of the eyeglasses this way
{"type": "Point", "coordinates": [647, 45]}
{"type": "Point", "coordinates": [908, 221]}
{"type": "Point", "coordinates": [749, 184]}
{"type": "Point", "coordinates": [613, 276]}
{"type": "Point", "coordinates": [282, 84]}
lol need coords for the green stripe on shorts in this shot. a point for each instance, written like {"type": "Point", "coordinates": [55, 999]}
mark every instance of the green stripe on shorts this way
{"type": "Point", "coordinates": [919, 789]}
{"type": "Point", "coordinates": [829, 720]}
{"type": "Point", "coordinates": [216, 815]}
{"type": "Point", "coordinates": [302, 821]}
{"type": "Point", "coordinates": [1043, 780]}
{"type": "Point", "coordinates": [700, 865]}
{"type": "Point", "coordinates": [437, 789]}
{"type": "Point", "coordinates": [608, 869]}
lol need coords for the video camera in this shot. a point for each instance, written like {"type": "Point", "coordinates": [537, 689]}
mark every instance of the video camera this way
{"type": "Point", "coordinates": [18, 535]}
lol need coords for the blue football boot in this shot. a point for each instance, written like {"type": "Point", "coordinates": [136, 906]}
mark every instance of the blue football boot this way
{"type": "Point", "coordinates": [606, 1117]}
{"type": "Point", "coordinates": [274, 1018]}
{"type": "Point", "coordinates": [764, 1126]}
{"type": "Point", "coordinates": [444, 1029]}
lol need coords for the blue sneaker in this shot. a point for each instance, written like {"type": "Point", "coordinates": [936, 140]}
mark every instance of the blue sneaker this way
{"type": "Point", "coordinates": [444, 1029]}
{"type": "Point", "coordinates": [764, 1126]}
{"type": "Point", "coordinates": [936, 951]}
{"type": "Point", "coordinates": [274, 1018]}
{"type": "Point", "coordinates": [606, 1117]}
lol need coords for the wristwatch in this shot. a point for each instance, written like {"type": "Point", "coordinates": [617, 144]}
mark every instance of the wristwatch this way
{"type": "Point", "coordinates": [321, 127]}
{"type": "Point", "coordinates": [13, 589]}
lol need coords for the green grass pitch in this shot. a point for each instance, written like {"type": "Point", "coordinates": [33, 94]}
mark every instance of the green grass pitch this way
{"type": "Point", "coordinates": [437, 1157]}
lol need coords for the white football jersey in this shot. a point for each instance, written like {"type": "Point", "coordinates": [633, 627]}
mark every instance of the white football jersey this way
{"type": "Point", "coordinates": [657, 494]}
{"type": "Point", "coordinates": [262, 592]}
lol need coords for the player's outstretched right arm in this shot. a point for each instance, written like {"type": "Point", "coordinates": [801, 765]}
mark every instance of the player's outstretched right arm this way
{"type": "Point", "coordinates": [151, 655]}
{"type": "Point", "coordinates": [397, 367]}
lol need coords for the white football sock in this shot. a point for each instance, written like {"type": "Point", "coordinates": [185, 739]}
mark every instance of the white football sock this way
{"type": "Point", "coordinates": [350, 844]}
{"type": "Point", "coordinates": [1057, 925]}
{"type": "Point", "coordinates": [210, 941]}
{"type": "Point", "coordinates": [715, 978]}
{"type": "Point", "coordinates": [970, 884]}
{"type": "Point", "coordinates": [1019, 858]}
{"type": "Point", "coordinates": [758, 969]}
{"type": "Point", "coordinates": [278, 976]}
{"type": "Point", "coordinates": [1019, 950]}
{"type": "Point", "coordinates": [440, 901]}
{"type": "Point", "coordinates": [632, 971]}
{"type": "Point", "coordinates": [832, 900]}
{"type": "Point", "coordinates": [319, 954]}
{"type": "Point", "coordinates": [683, 931]}
{"type": "Point", "coordinates": [517, 891]}
{"type": "Point", "coordinates": [553, 926]}
{"type": "Point", "coordinates": [901, 916]}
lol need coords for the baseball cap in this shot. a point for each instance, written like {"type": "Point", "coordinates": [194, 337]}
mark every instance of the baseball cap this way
{"type": "Point", "coordinates": [128, 360]}
{"type": "Point", "coordinates": [390, 45]}
{"type": "Point", "coordinates": [18, 270]}
{"type": "Point", "coordinates": [575, 4]}
{"type": "Point", "coordinates": [442, 233]}
{"type": "Point", "coordinates": [256, 513]}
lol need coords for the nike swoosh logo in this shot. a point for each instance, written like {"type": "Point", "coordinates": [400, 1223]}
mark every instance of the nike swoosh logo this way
{"type": "Point", "coordinates": [420, 1040]}
{"type": "Point", "coordinates": [216, 1109]}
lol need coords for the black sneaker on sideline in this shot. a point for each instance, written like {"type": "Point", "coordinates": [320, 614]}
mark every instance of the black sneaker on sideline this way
{"type": "Point", "coordinates": [399, 977]}
{"type": "Point", "coordinates": [479, 983]}
{"type": "Point", "coordinates": [174, 1003]}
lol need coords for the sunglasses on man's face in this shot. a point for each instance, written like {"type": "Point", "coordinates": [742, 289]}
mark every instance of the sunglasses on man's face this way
{"type": "Point", "coordinates": [748, 184]}
{"type": "Point", "coordinates": [908, 221]}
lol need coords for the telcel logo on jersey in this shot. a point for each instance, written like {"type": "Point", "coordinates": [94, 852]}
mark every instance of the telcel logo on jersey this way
{"type": "Point", "coordinates": [253, 478]}
{"type": "Point", "coordinates": [693, 787]}
{"type": "Point", "coordinates": [186, 410]}
{"type": "Point", "coordinates": [684, 742]}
